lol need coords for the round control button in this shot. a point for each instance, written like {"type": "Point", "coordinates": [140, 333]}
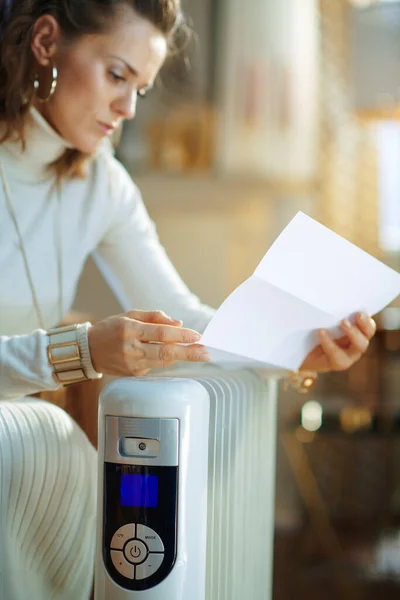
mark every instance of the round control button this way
{"type": "Point", "coordinates": [150, 537]}
{"type": "Point", "coordinates": [135, 551]}
{"type": "Point", "coordinates": [122, 535]}
{"type": "Point", "coordinates": [122, 565]}
{"type": "Point", "coordinates": [150, 566]}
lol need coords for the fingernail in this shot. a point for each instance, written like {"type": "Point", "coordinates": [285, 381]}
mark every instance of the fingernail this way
{"type": "Point", "coordinates": [363, 317]}
{"type": "Point", "coordinates": [196, 336]}
{"type": "Point", "coordinates": [204, 356]}
{"type": "Point", "coordinates": [346, 323]}
{"type": "Point", "coordinates": [323, 332]}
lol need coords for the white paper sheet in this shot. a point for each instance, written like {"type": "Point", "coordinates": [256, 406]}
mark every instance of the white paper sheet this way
{"type": "Point", "coordinates": [310, 278]}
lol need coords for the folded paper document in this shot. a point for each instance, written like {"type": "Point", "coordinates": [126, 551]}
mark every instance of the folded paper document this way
{"type": "Point", "coordinates": [310, 278]}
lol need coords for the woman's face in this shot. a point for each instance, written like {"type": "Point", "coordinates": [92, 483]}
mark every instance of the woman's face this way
{"type": "Point", "coordinates": [100, 79]}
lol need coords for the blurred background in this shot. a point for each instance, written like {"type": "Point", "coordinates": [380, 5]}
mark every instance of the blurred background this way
{"type": "Point", "coordinates": [278, 106]}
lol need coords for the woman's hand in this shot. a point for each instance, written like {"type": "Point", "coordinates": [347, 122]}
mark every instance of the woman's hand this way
{"type": "Point", "coordinates": [135, 342]}
{"type": "Point", "coordinates": [341, 354]}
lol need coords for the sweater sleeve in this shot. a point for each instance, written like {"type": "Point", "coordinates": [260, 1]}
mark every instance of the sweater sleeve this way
{"type": "Point", "coordinates": [135, 263]}
{"type": "Point", "coordinates": [24, 366]}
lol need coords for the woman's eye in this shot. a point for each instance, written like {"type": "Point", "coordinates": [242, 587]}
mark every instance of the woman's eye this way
{"type": "Point", "coordinates": [117, 77]}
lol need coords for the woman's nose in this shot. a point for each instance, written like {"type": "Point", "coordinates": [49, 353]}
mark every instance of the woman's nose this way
{"type": "Point", "coordinates": [126, 105]}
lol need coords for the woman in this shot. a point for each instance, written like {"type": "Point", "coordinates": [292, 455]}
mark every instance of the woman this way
{"type": "Point", "coordinates": [71, 72]}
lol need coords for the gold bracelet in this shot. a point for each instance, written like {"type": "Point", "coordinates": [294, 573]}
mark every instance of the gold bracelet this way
{"type": "Point", "coordinates": [65, 356]}
{"type": "Point", "coordinates": [301, 381]}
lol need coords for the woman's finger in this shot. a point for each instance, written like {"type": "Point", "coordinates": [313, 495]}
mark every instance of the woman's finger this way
{"type": "Point", "coordinates": [337, 357]}
{"type": "Point", "coordinates": [161, 355]}
{"type": "Point", "coordinates": [152, 316]}
{"type": "Point", "coordinates": [359, 341]}
{"type": "Point", "coordinates": [166, 334]}
{"type": "Point", "coordinates": [141, 373]}
{"type": "Point", "coordinates": [366, 325]}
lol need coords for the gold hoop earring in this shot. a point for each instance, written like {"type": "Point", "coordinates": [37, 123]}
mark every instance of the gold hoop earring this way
{"type": "Point", "coordinates": [54, 81]}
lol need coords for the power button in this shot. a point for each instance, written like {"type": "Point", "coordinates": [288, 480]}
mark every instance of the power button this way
{"type": "Point", "coordinates": [135, 551]}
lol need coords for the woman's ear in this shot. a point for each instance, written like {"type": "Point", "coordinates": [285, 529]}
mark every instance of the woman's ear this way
{"type": "Point", "coordinates": [45, 37]}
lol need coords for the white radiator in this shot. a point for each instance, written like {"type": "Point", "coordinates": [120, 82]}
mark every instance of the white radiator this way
{"type": "Point", "coordinates": [241, 486]}
{"type": "Point", "coordinates": [241, 492]}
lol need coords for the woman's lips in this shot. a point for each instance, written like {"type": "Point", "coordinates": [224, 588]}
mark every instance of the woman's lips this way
{"type": "Point", "coordinates": [107, 129]}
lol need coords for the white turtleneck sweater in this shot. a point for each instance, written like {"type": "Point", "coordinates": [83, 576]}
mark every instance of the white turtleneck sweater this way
{"type": "Point", "coordinates": [102, 213]}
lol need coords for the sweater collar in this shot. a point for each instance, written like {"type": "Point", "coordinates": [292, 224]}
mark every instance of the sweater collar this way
{"type": "Point", "coordinates": [43, 147]}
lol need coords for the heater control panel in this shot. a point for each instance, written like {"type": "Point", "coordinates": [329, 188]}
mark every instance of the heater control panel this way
{"type": "Point", "coordinates": [137, 551]}
{"type": "Point", "coordinates": [140, 504]}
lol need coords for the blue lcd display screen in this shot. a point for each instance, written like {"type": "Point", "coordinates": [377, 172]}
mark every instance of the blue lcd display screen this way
{"type": "Point", "coordinates": [139, 490]}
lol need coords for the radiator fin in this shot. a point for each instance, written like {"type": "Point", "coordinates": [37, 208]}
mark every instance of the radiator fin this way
{"type": "Point", "coordinates": [241, 486]}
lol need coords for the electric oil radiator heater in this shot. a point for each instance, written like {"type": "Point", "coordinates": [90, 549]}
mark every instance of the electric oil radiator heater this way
{"type": "Point", "coordinates": [186, 487]}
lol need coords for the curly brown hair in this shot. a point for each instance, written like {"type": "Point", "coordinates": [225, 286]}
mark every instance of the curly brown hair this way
{"type": "Point", "coordinates": [76, 18]}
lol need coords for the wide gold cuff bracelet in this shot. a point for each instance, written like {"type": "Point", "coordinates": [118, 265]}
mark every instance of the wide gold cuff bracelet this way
{"type": "Point", "coordinates": [65, 355]}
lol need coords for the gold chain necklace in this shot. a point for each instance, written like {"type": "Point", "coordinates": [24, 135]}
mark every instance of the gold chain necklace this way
{"type": "Point", "coordinates": [14, 219]}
